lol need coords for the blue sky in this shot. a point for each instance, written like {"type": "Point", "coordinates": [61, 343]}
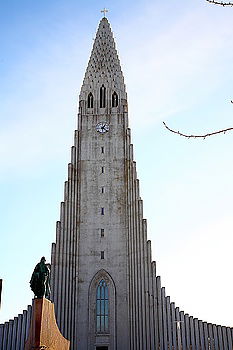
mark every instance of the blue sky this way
{"type": "Point", "coordinates": [177, 58]}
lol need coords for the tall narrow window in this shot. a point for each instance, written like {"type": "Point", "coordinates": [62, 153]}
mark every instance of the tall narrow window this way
{"type": "Point", "coordinates": [102, 307]}
{"type": "Point", "coordinates": [102, 189]}
{"type": "Point", "coordinates": [114, 99]}
{"type": "Point", "coordinates": [90, 100]}
{"type": "Point", "coordinates": [102, 232]}
{"type": "Point", "coordinates": [102, 169]}
{"type": "Point", "coordinates": [102, 96]}
{"type": "Point", "coordinates": [102, 254]}
{"type": "Point", "coordinates": [102, 211]}
{"type": "Point", "coordinates": [102, 149]}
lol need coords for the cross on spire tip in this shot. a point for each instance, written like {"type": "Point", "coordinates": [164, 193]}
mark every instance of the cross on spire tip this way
{"type": "Point", "coordinates": [104, 11]}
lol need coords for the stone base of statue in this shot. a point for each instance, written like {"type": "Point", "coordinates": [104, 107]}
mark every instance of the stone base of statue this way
{"type": "Point", "coordinates": [44, 332]}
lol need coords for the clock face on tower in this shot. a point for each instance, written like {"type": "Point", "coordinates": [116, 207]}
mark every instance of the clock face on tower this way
{"type": "Point", "coordinates": [102, 127]}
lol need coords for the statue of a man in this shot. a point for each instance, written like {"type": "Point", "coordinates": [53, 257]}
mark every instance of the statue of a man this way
{"type": "Point", "coordinates": [39, 282]}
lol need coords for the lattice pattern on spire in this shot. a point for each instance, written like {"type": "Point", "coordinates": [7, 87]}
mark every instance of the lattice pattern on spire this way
{"type": "Point", "coordinates": [104, 64]}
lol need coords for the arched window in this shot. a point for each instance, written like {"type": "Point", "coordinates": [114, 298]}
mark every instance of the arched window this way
{"type": "Point", "coordinates": [102, 307]}
{"type": "Point", "coordinates": [102, 96]}
{"type": "Point", "coordinates": [114, 99]}
{"type": "Point", "coordinates": [90, 100]}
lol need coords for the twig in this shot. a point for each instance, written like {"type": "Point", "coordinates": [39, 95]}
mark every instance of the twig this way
{"type": "Point", "coordinates": [220, 3]}
{"type": "Point", "coordinates": [197, 136]}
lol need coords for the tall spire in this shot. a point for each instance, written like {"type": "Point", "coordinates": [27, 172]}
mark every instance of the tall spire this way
{"type": "Point", "coordinates": [104, 64]}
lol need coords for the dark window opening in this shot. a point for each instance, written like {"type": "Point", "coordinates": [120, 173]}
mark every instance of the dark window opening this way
{"type": "Point", "coordinates": [102, 96]}
{"type": "Point", "coordinates": [90, 100]}
{"type": "Point", "coordinates": [102, 348]}
{"type": "Point", "coordinates": [102, 307]}
{"type": "Point", "coordinates": [102, 211]}
{"type": "Point", "coordinates": [102, 149]}
{"type": "Point", "coordinates": [102, 169]}
{"type": "Point", "coordinates": [114, 99]}
{"type": "Point", "coordinates": [102, 232]}
{"type": "Point", "coordinates": [102, 254]}
{"type": "Point", "coordinates": [102, 190]}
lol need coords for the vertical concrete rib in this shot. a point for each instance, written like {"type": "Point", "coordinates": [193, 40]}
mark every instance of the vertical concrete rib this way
{"type": "Point", "coordinates": [187, 331]}
{"type": "Point", "coordinates": [206, 335]}
{"type": "Point", "coordinates": [14, 333]}
{"type": "Point", "coordinates": [139, 253]}
{"type": "Point", "coordinates": [135, 235]}
{"type": "Point", "coordinates": [160, 316]}
{"type": "Point", "coordinates": [64, 256]}
{"type": "Point", "coordinates": [169, 322]}
{"type": "Point", "coordinates": [133, 305]}
{"type": "Point", "coordinates": [131, 244]}
{"type": "Point", "coordinates": [232, 333]}
{"type": "Point", "coordinates": [77, 231]}
{"type": "Point", "coordinates": [178, 327]}
{"type": "Point", "coordinates": [5, 336]}
{"type": "Point", "coordinates": [155, 308]}
{"type": "Point", "coordinates": [220, 340]}
{"type": "Point", "coordinates": [143, 281]}
{"type": "Point", "coordinates": [1, 335]}
{"type": "Point", "coordinates": [202, 343]}
{"type": "Point", "coordinates": [182, 327]}
{"type": "Point", "coordinates": [211, 336]}
{"type": "Point", "coordinates": [164, 312]}
{"type": "Point", "coordinates": [142, 237]}
{"type": "Point", "coordinates": [146, 296]}
{"type": "Point", "coordinates": [215, 334]}
{"type": "Point", "coordinates": [224, 338]}
{"type": "Point", "coordinates": [150, 342]}
{"type": "Point", "coordinates": [71, 244]}
{"type": "Point", "coordinates": [192, 336]}
{"type": "Point", "coordinates": [56, 263]}
{"type": "Point", "coordinates": [67, 305]}
{"type": "Point", "coordinates": [23, 331]}
{"type": "Point", "coordinates": [76, 234]}
{"type": "Point", "coordinates": [60, 269]}
{"type": "Point", "coordinates": [19, 332]}
{"type": "Point", "coordinates": [9, 336]}
{"type": "Point", "coordinates": [229, 339]}
{"type": "Point", "coordinates": [130, 247]}
{"type": "Point", "coordinates": [196, 330]}
{"type": "Point", "coordinates": [128, 215]}
{"type": "Point", "coordinates": [52, 272]}
{"type": "Point", "coordinates": [28, 320]}
{"type": "Point", "coordinates": [174, 327]}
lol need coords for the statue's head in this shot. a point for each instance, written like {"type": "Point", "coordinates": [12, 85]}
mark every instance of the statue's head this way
{"type": "Point", "coordinates": [43, 259]}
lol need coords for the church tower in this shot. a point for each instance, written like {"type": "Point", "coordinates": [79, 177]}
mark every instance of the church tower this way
{"type": "Point", "coordinates": [90, 259]}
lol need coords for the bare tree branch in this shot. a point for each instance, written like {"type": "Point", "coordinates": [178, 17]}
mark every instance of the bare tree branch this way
{"type": "Point", "coordinates": [197, 136]}
{"type": "Point", "coordinates": [220, 3]}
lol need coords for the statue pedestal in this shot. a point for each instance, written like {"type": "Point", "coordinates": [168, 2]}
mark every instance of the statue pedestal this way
{"type": "Point", "coordinates": [44, 332]}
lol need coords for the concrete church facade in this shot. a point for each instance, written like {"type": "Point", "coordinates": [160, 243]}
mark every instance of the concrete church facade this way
{"type": "Point", "coordinates": [94, 215]}
{"type": "Point", "coordinates": [105, 289]}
